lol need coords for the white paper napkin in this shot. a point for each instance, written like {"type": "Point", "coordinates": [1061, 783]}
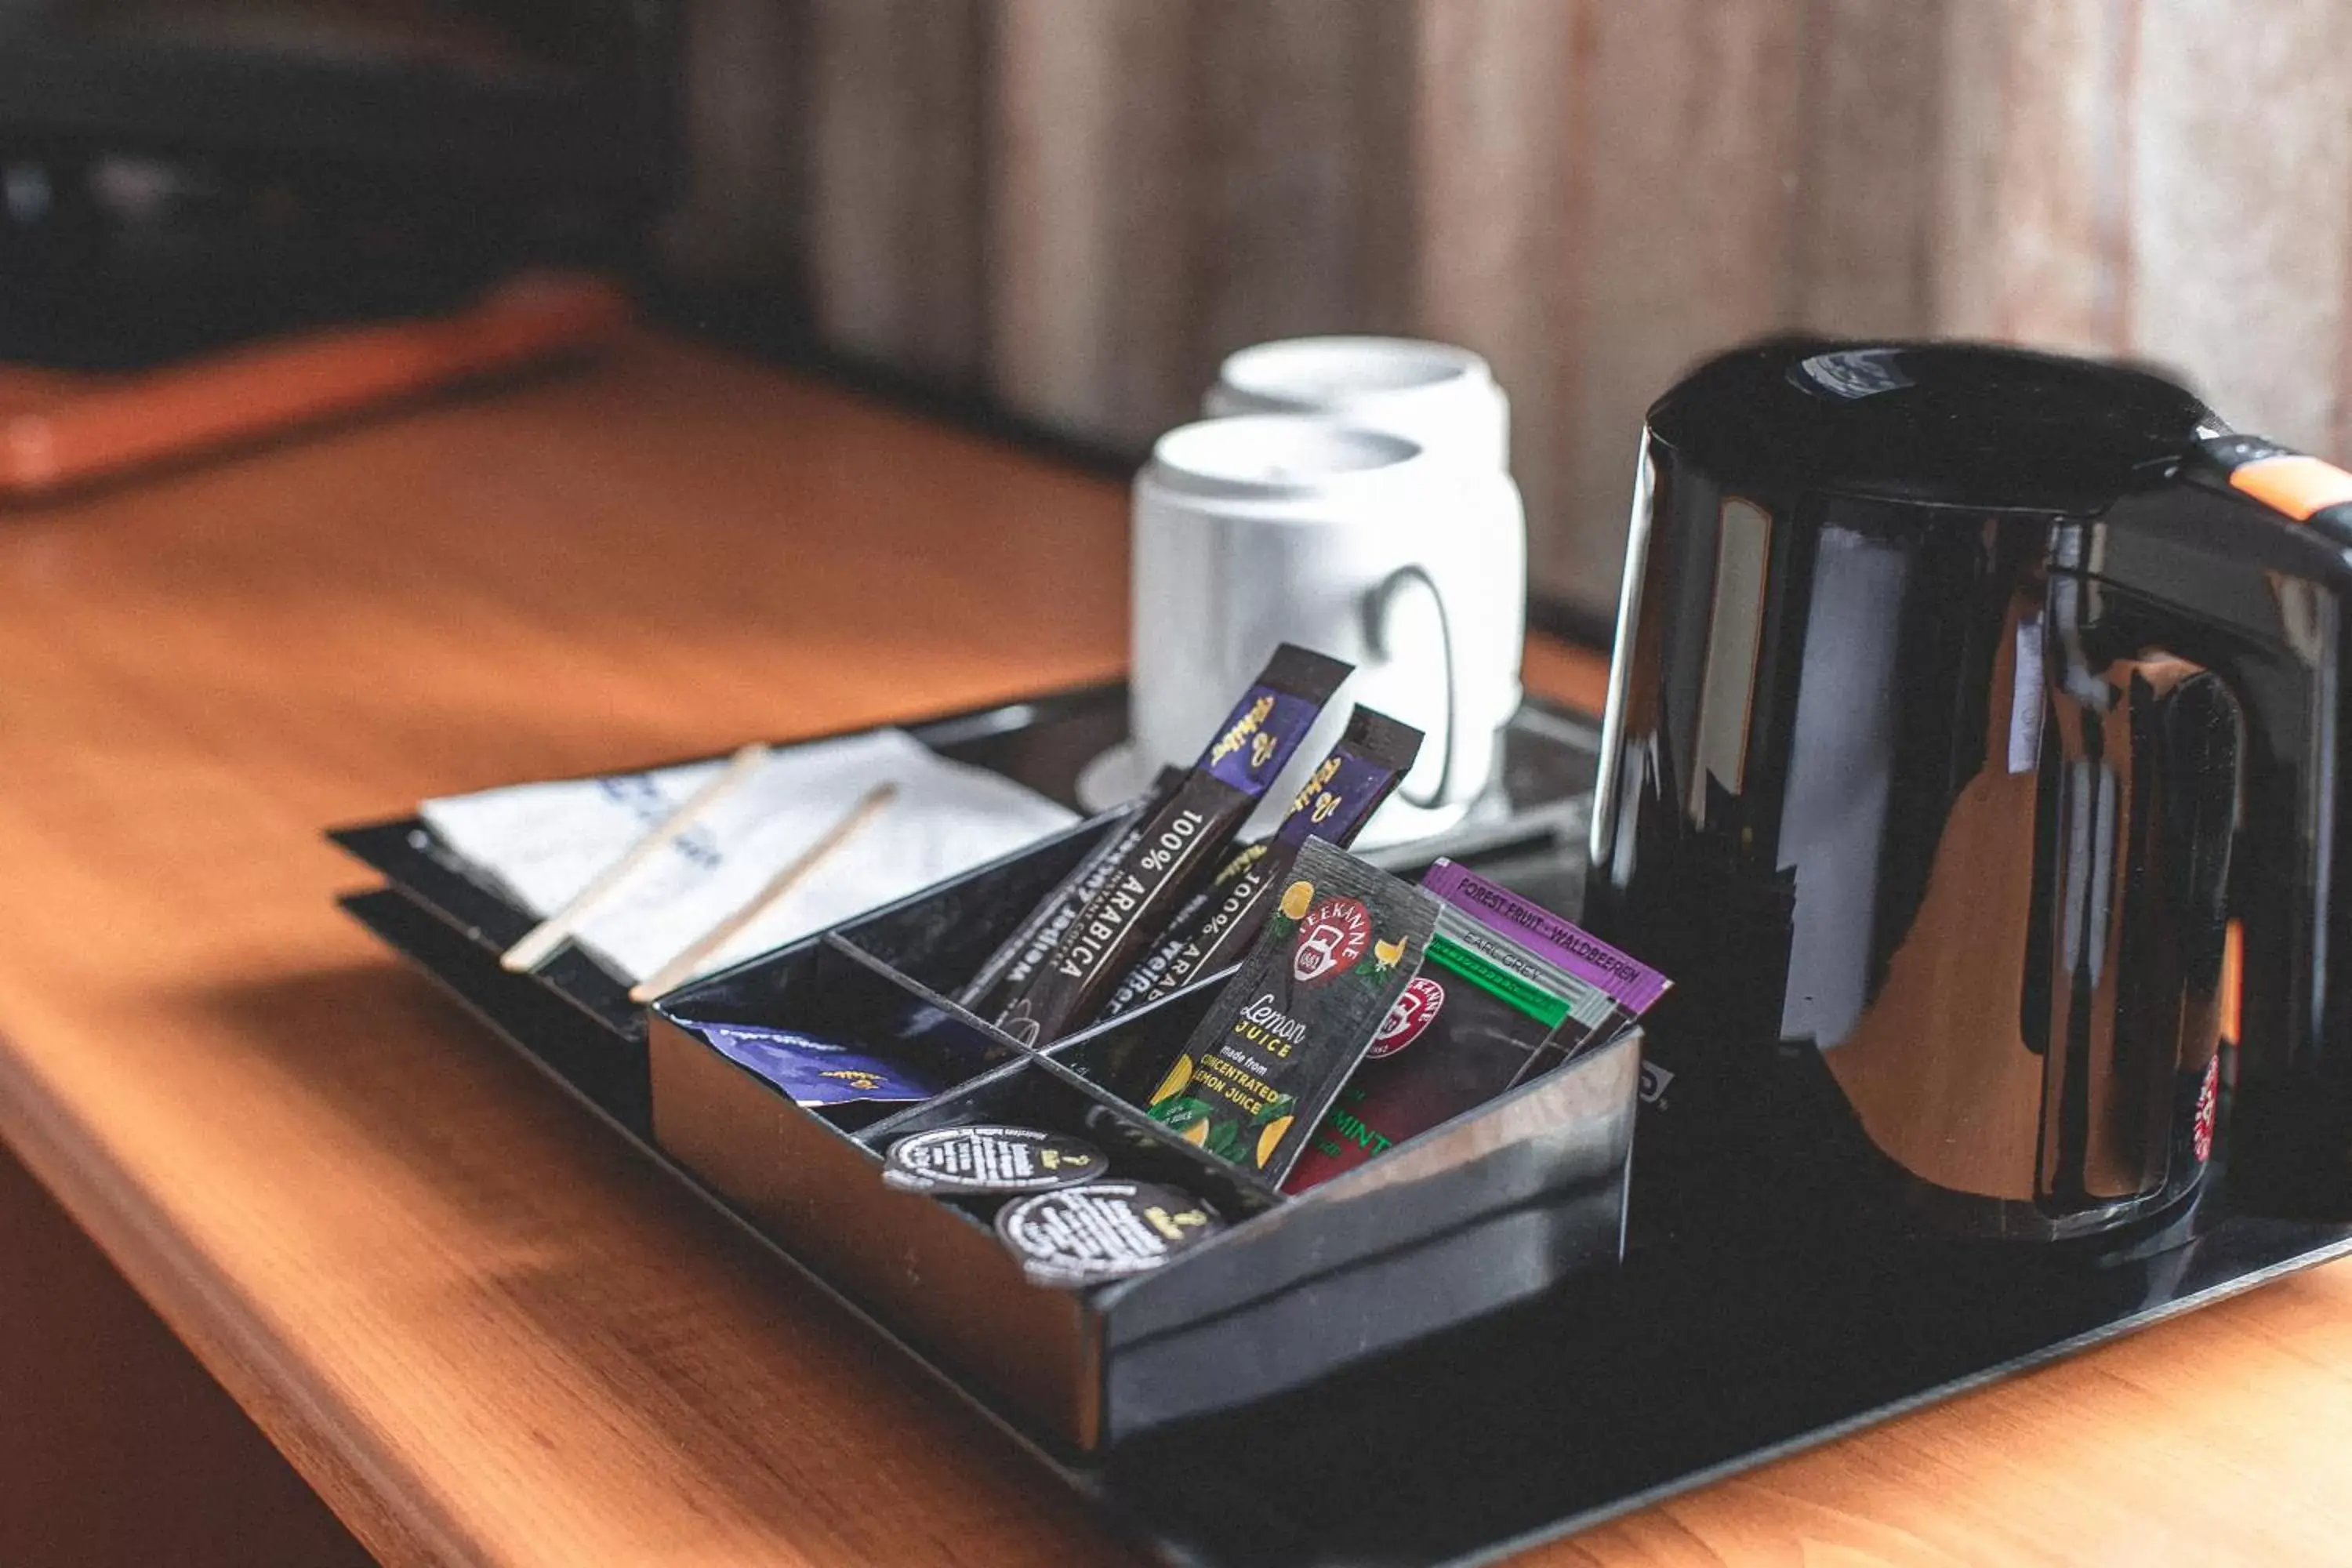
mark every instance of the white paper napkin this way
{"type": "Point", "coordinates": [544, 842]}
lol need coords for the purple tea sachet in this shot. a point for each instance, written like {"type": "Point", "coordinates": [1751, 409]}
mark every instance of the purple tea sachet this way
{"type": "Point", "coordinates": [1635, 985]}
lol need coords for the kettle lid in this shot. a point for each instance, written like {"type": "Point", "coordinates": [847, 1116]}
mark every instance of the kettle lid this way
{"type": "Point", "coordinates": [1941, 424]}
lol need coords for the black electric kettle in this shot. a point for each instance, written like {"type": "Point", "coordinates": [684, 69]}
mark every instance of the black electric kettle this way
{"type": "Point", "coordinates": [1974, 723]}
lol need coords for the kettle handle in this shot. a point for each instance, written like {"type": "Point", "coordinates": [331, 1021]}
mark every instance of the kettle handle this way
{"type": "Point", "coordinates": [2139, 758]}
{"type": "Point", "coordinates": [2242, 565]}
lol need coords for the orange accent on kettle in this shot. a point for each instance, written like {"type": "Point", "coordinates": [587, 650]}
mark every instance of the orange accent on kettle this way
{"type": "Point", "coordinates": [2293, 484]}
{"type": "Point", "coordinates": [2231, 1002]}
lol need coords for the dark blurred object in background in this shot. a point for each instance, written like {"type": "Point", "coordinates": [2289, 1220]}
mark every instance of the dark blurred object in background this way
{"type": "Point", "coordinates": [179, 174]}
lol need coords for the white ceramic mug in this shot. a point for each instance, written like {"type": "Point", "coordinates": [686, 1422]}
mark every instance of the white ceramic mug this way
{"type": "Point", "coordinates": [1442, 395]}
{"type": "Point", "coordinates": [1265, 528]}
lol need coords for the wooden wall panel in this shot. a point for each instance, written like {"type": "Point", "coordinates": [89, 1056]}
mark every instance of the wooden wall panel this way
{"type": "Point", "coordinates": [1861, 261]}
{"type": "Point", "coordinates": [894, 97]}
{"type": "Point", "coordinates": [2034, 236]}
{"type": "Point", "coordinates": [1496, 106]}
{"type": "Point", "coordinates": [1308, 208]}
{"type": "Point", "coordinates": [1171, 182]}
{"type": "Point", "coordinates": [1079, 205]}
{"type": "Point", "coordinates": [1094, 260]}
{"type": "Point", "coordinates": [740, 214]}
{"type": "Point", "coordinates": [1686, 149]}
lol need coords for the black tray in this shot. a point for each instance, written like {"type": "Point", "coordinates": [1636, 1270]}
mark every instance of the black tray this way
{"type": "Point", "coordinates": [1692, 1362]}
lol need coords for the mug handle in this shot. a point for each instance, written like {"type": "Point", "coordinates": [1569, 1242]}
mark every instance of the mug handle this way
{"type": "Point", "coordinates": [1377, 603]}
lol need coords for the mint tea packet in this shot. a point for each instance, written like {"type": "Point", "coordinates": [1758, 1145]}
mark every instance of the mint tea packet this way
{"type": "Point", "coordinates": [1507, 992]}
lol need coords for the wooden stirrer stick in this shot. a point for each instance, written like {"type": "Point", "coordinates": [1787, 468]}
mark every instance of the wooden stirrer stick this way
{"type": "Point", "coordinates": [540, 943]}
{"type": "Point", "coordinates": [678, 970]}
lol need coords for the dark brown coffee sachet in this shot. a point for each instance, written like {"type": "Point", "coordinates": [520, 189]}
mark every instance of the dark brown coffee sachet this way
{"type": "Point", "coordinates": [1017, 958]}
{"type": "Point", "coordinates": [1196, 908]}
{"type": "Point", "coordinates": [1340, 797]}
{"type": "Point", "coordinates": [1176, 849]}
{"type": "Point", "coordinates": [1258, 1074]}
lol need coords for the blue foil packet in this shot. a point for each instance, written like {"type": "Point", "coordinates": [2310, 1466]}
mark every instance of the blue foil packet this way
{"type": "Point", "coordinates": [815, 1072]}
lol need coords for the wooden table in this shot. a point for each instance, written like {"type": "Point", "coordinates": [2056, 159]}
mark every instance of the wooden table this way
{"type": "Point", "coordinates": [481, 1327]}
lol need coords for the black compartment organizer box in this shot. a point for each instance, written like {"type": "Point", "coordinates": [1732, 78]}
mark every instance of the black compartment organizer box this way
{"type": "Point", "coordinates": [1433, 1357]}
{"type": "Point", "coordinates": [1499, 1203]}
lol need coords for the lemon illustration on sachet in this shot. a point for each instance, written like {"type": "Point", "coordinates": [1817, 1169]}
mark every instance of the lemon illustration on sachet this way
{"type": "Point", "coordinates": [1271, 1139]}
{"type": "Point", "coordinates": [1173, 1084]}
{"type": "Point", "coordinates": [1194, 1120]}
{"type": "Point", "coordinates": [1297, 898]}
{"type": "Point", "coordinates": [1387, 952]}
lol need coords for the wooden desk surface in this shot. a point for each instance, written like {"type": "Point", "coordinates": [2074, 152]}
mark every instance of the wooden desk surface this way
{"type": "Point", "coordinates": [484, 1330]}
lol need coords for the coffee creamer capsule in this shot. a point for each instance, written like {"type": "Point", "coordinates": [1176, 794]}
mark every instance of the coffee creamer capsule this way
{"type": "Point", "coordinates": [1106, 1230]}
{"type": "Point", "coordinates": [991, 1160]}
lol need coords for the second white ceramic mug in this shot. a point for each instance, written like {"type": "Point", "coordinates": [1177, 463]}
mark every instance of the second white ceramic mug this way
{"type": "Point", "coordinates": [1259, 529]}
{"type": "Point", "coordinates": [1440, 395]}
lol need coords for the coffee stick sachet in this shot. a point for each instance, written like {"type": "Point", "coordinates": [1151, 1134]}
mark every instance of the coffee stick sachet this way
{"type": "Point", "coordinates": [1019, 956]}
{"type": "Point", "coordinates": [1284, 1035]}
{"type": "Point", "coordinates": [1175, 849]}
{"type": "Point", "coordinates": [1372, 757]}
{"type": "Point", "coordinates": [1196, 910]}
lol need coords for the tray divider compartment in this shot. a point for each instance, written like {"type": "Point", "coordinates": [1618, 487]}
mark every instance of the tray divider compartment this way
{"type": "Point", "coordinates": [1190, 1165]}
{"type": "Point", "coordinates": [996, 1039]}
{"type": "Point", "coordinates": [917, 1118]}
{"type": "Point", "coordinates": [1126, 1056]}
{"type": "Point", "coordinates": [836, 994]}
{"type": "Point", "coordinates": [933, 1269]}
{"type": "Point", "coordinates": [939, 937]}
{"type": "Point", "coordinates": [1046, 1096]}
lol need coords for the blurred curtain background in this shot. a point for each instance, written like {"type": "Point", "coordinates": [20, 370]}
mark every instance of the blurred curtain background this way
{"type": "Point", "coordinates": [1071, 208]}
